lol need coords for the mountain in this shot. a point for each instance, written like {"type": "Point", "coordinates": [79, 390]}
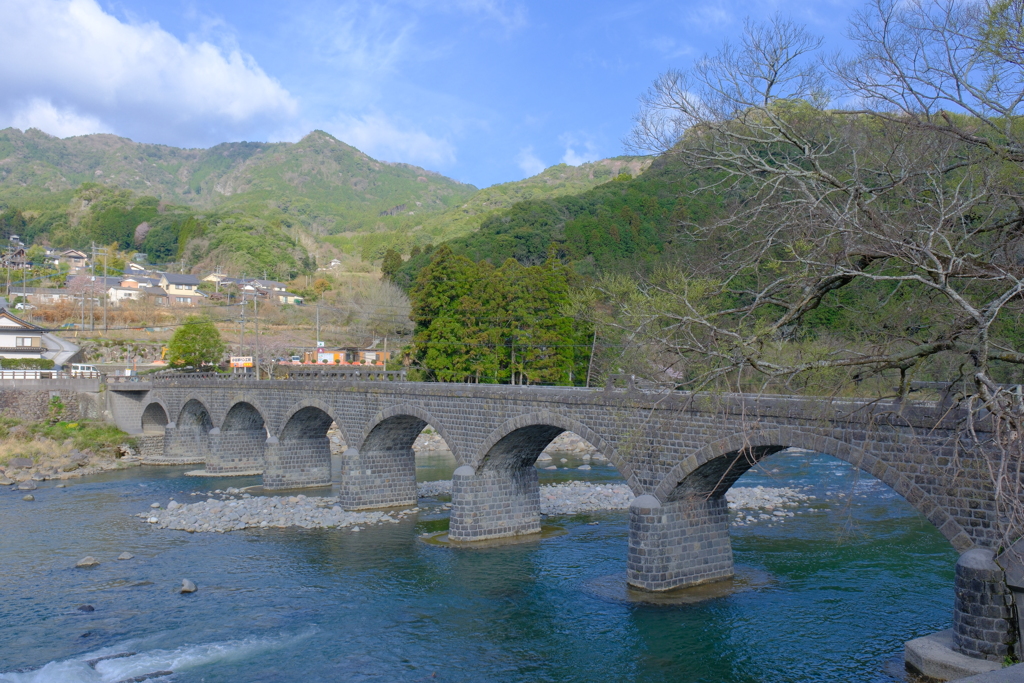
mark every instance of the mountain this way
{"type": "Point", "coordinates": [257, 207]}
{"type": "Point", "coordinates": [627, 224]}
{"type": "Point", "coordinates": [329, 185]}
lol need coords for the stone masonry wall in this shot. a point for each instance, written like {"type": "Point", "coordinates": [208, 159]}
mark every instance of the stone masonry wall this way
{"type": "Point", "coordinates": [236, 450]}
{"type": "Point", "coordinates": [494, 503]}
{"type": "Point", "coordinates": [683, 543]}
{"type": "Point", "coordinates": [297, 463]}
{"type": "Point", "coordinates": [377, 479]}
{"type": "Point", "coordinates": [983, 616]}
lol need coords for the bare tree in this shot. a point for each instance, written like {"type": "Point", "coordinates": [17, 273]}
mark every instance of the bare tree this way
{"type": "Point", "coordinates": [897, 215]}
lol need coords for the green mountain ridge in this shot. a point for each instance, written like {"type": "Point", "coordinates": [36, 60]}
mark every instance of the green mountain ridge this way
{"type": "Point", "coordinates": [252, 206]}
{"type": "Point", "coordinates": [332, 186]}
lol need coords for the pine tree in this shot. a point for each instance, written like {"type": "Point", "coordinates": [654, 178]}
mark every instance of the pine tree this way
{"type": "Point", "coordinates": [390, 265]}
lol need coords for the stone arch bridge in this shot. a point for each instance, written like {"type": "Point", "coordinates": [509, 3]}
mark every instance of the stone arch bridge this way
{"type": "Point", "coordinates": [678, 452]}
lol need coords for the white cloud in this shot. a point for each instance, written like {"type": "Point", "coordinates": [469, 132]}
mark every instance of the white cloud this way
{"type": "Point", "coordinates": [381, 138]}
{"type": "Point", "coordinates": [94, 69]}
{"type": "Point", "coordinates": [528, 162]}
{"type": "Point", "coordinates": [42, 114]}
{"type": "Point", "coordinates": [575, 158]}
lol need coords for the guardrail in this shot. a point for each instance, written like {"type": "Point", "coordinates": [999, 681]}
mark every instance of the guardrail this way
{"type": "Point", "coordinates": [349, 375]}
{"type": "Point", "coordinates": [47, 374]}
{"type": "Point", "coordinates": [367, 375]}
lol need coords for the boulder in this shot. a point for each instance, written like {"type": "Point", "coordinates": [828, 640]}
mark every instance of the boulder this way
{"type": "Point", "coordinates": [86, 608]}
{"type": "Point", "coordinates": [187, 586]}
{"type": "Point", "coordinates": [28, 498]}
{"type": "Point", "coordinates": [21, 463]}
{"type": "Point", "coordinates": [125, 556]}
{"type": "Point", "coordinates": [27, 486]}
{"type": "Point", "coordinates": [4, 481]}
{"type": "Point", "coordinates": [38, 477]}
{"type": "Point", "coordinates": [87, 561]}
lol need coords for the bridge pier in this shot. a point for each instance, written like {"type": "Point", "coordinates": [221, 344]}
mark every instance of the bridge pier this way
{"type": "Point", "coordinates": [185, 445]}
{"type": "Point", "coordinates": [236, 450]}
{"type": "Point", "coordinates": [297, 463]}
{"type": "Point", "coordinates": [377, 479]}
{"type": "Point", "coordinates": [677, 544]}
{"type": "Point", "coordinates": [494, 503]}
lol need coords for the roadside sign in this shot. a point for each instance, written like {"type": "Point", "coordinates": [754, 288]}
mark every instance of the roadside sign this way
{"type": "Point", "coordinates": [321, 344]}
{"type": "Point", "coordinates": [241, 361]}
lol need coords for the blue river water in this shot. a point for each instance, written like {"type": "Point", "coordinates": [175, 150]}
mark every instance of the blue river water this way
{"type": "Point", "coordinates": [841, 589]}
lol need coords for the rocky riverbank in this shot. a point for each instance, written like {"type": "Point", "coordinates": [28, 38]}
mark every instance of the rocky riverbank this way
{"type": "Point", "coordinates": [234, 510]}
{"type": "Point", "coordinates": [22, 472]}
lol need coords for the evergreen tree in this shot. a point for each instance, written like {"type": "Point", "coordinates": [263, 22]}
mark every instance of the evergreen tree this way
{"type": "Point", "coordinates": [391, 263]}
{"type": "Point", "coordinates": [195, 344]}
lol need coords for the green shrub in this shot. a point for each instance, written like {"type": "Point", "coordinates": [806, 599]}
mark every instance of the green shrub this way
{"type": "Point", "coordinates": [26, 363]}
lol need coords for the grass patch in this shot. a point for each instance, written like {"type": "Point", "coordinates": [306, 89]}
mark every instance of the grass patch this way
{"type": "Point", "coordinates": [45, 441]}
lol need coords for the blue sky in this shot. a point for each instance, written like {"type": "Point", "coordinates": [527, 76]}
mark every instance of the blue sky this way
{"type": "Point", "coordinates": [484, 91]}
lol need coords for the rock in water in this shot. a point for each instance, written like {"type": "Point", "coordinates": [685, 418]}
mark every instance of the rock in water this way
{"type": "Point", "coordinates": [86, 608]}
{"type": "Point", "coordinates": [88, 561]}
{"type": "Point", "coordinates": [29, 497]}
{"type": "Point", "coordinates": [4, 481]}
{"type": "Point", "coordinates": [155, 505]}
{"type": "Point", "coordinates": [27, 486]}
{"type": "Point", "coordinates": [125, 556]}
{"type": "Point", "coordinates": [187, 586]}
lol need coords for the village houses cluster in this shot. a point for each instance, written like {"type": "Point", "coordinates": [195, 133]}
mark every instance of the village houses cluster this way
{"type": "Point", "coordinates": [139, 283]}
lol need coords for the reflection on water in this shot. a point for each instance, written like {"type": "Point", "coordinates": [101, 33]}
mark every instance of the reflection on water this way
{"type": "Point", "coordinates": [845, 588]}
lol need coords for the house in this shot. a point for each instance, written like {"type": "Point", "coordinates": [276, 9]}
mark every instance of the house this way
{"type": "Point", "coordinates": [18, 338]}
{"type": "Point", "coordinates": [287, 298]}
{"type": "Point", "coordinates": [156, 295]}
{"type": "Point", "coordinates": [74, 259]}
{"type": "Point", "coordinates": [139, 282]}
{"type": "Point", "coordinates": [175, 284]}
{"type": "Point", "coordinates": [42, 295]}
{"type": "Point", "coordinates": [215, 277]}
{"type": "Point", "coordinates": [14, 258]}
{"type": "Point", "coordinates": [118, 294]}
{"type": "Point", "coordinates": [352, 356]}
{"type": "Point", "coordinates": [22, 339]}
{"type": "Point", "coordinates": [195, 298]}
{"type": "Point", "coordinates": [269, 285]}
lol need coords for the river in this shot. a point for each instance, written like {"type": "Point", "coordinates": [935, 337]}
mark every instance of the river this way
{"type": "Point", "coordinates": [834, 593]}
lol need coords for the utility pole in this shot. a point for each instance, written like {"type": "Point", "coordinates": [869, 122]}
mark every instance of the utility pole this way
{"type": "Point", "coordinates": [105, 297]}
{"type": "Point", "coordinates": [256, 317]}
{"type": "Point", "coordinates": [92, 293]}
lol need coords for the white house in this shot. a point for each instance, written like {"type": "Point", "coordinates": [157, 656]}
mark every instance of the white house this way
{"type": "Point", "coordinates": [18, 338]}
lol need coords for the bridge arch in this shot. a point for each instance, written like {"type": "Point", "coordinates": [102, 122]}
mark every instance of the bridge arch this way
{"type": "Point", "coordinates": [499, 494]}
{"type": "Point", "coordinates": [528, 431]}
{"type": "Point", "coordinates": [392, 426]}
{"type": "Point", "coordinates": [189, 441]}
{"type": "Point", "coordinates": [238, 445]}
{"type": "Point", "coordinates": [712, 470]}
{"type": "Point", "coordinates": [300, 455]}
{"type": "Point", "coordinates": [381, 472]}
{"type": "Point", "coordinates": [154, 418]}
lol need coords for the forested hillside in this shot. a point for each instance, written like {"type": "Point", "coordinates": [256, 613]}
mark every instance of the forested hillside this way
{"type": "Point", "coordinates": [626, 224]}
{"type": "Point", "coordinates": [250, 207]}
